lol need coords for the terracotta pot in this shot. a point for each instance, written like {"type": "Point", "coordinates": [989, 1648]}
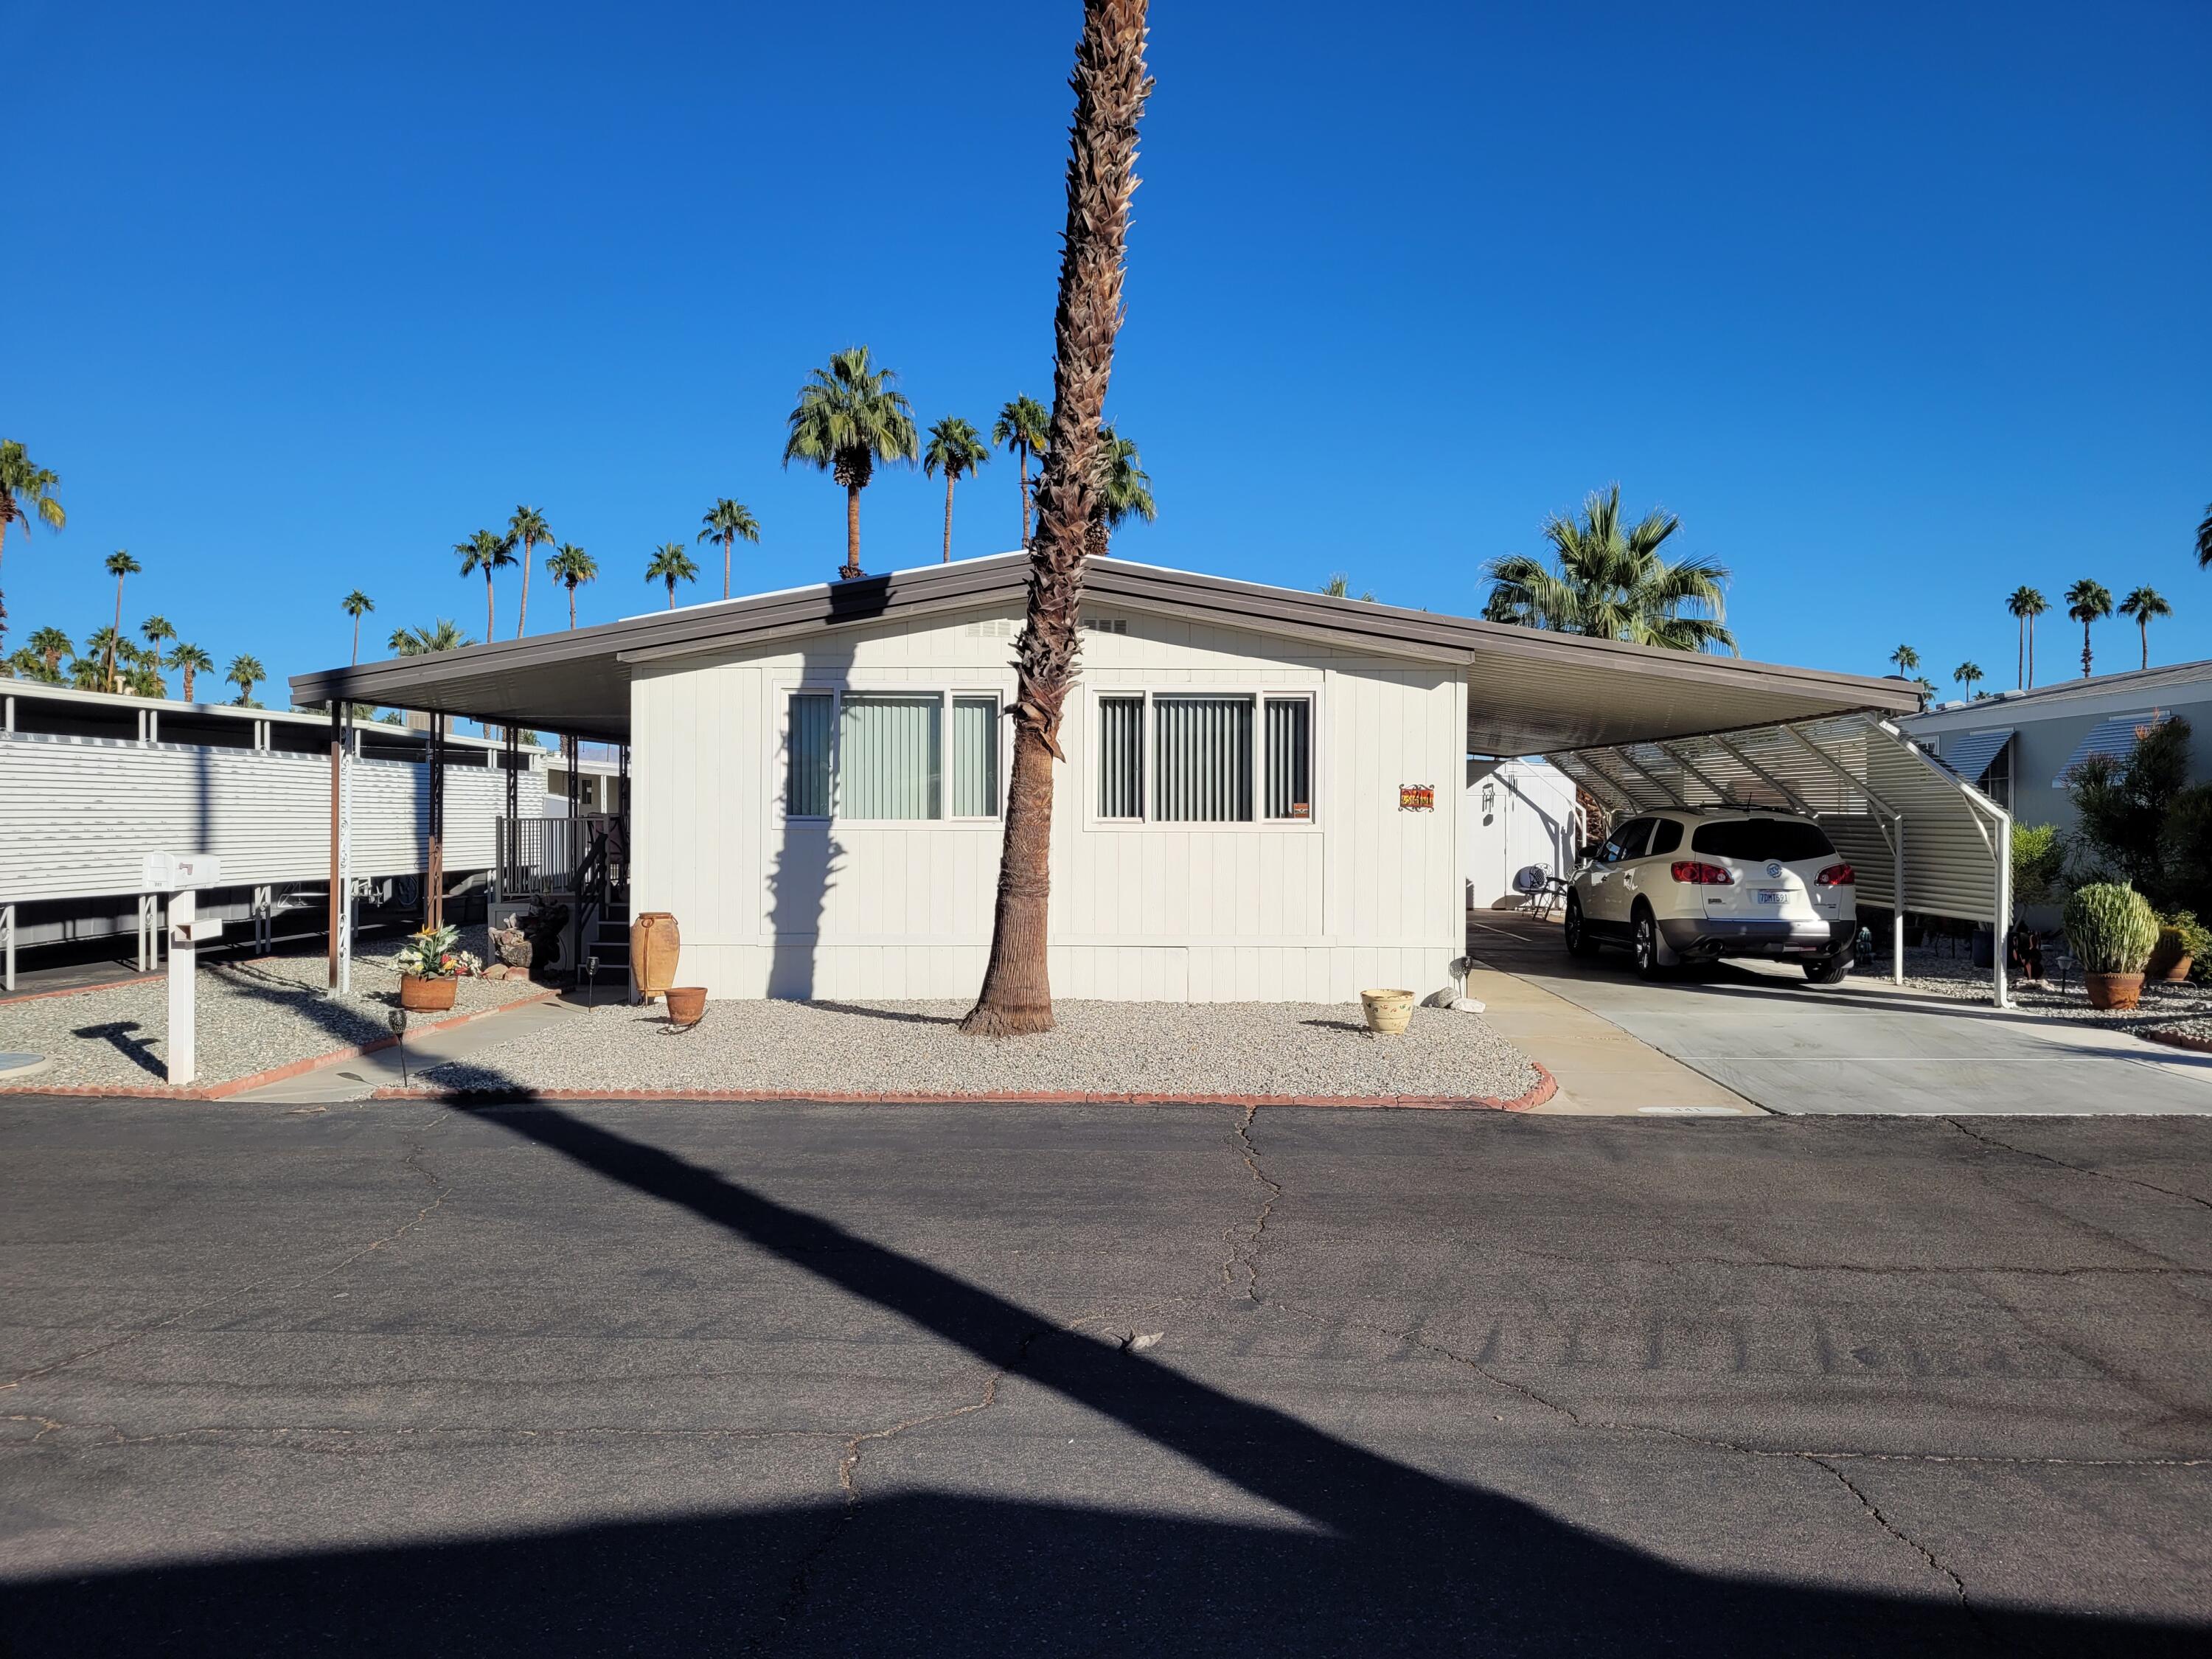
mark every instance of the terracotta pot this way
{"type": "Point", "coordinates": [420, 994]}
{"type": "Point", "coordinates": [2113, 990]}
{"type": "Point", "coordinates": [1388, 1011]}
{"type": "Point", "coordinates": [654, 944]}
{"type": "Point", "coordinates": [2179, 971]}
{"type": "Point", "coordinates": [686, 1004]}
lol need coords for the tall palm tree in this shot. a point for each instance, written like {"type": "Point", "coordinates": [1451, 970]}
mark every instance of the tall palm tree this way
{"type": "Point", "coordinates": [1125, 491]}
{"type": "Point", "coordinates": [1111, 88]}
{"type": "Point", "coordinates": [671, 564]}
{"type": "Point", "coordinates": [356, 604]}
{"type": "Point", "coordinates": [51, 645]}
{"type": "Point", "coordinates": [955, 448]}
{"type": "Point", "coordinates": [193, 661]}
{"type": "Point", "coordinates": [26, 493]}
{"type": "Point", "coordinates": [157, 632]}
{"type": "Point", "coordinates": [89, 671]}
{"type": "Point", "coordinates": [119, 565]}
{"type": "Point", "coordinates": [142, 672]}
{"type": "Point", "coordinates": [1966, 673]}
{"type": "Point", "coordinates": [1023, 426]}
{"type": "Point", "coordinates": [2087, 602]}
{"type": "Point", "coordinates": [848, 418]}
{"type": "Point", "coordinates": [525, 530]}
{"type": "Point", "coordinates": [572, 567]}
{"type": "Point", "coordinates": [2025, 604]}
{"type": "Point", "coordinates": [443, 636]}
{"type": "Point", "coordinates": [728, 523]}
{"type": "Point", "coordinates": [486, 551]}
{"type": "Point", "coordinates": [1611, 583]}
{"type": "Point", "coordinates": [245, 672]}
{"type": "Point", "coordinates": [1905, 658]}
{"type": "Point", "coordinates": [2146, 605]}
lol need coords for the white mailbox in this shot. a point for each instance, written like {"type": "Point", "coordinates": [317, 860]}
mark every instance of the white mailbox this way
{"type": "Point", "coordinates": [180, 872]}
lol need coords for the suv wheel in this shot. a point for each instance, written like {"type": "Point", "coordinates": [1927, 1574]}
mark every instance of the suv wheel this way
{"type": "Point", "coordinates": [1579, 942]}
{"type": "Point", "coordinates": [1649, 961]}
{"type": "Point", "coordinates": [1831, 970]}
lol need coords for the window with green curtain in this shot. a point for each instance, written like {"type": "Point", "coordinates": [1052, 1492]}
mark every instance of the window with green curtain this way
{"type": "Point", "coordinates": [1289, 758]}
{"type": "Point", "coordinates": [1202, 759]}
{"type": "Point", "coordinates": [806, 755]}
{"type": "Point", "coordinates": [974, 757]}
{"type": "Point", "coordinates": [1120, 758]}
{"type": "Point", "coordinates": [890, 756]}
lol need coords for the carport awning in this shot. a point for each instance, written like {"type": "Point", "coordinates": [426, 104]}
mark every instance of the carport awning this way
{"type": "Point", "coordinates": [1883, 800]}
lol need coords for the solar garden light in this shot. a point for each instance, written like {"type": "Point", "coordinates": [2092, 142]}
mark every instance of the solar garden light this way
{"type": "Point", "coordinates": [396, 1019]}
{"type": "Point", "coordinates": [590, 979]}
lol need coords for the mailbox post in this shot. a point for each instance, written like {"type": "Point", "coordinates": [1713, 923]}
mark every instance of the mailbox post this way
{"type": "Point", "coordinates": [180, 875]}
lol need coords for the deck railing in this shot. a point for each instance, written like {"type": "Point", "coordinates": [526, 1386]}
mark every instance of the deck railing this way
{"type": "Point", "coordinates": [543, 856]}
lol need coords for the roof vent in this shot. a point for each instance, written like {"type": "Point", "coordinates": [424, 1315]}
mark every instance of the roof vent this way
{"type": "Point", "coordinates": [1106, 624]}
{"type": "Point", "coordinates": [990, 627]}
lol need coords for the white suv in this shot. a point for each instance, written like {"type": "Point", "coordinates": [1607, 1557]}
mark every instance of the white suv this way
{"type": "Point", "coordinates": [1692, 886]}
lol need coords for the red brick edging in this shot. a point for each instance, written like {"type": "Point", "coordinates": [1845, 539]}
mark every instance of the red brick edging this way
{"type": "Point", "coordinates": [2179, 1040]}
{"type": "Point", "coordinates": [257, 1079]}
{"type": "Point", "coordinates": [1541, 1091]}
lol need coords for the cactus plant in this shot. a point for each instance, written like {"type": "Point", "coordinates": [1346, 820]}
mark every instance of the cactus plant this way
{"type": "Point", "coordinates": [2111, 927]}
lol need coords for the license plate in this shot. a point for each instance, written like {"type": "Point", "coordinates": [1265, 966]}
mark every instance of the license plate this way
{"type": "Point", "coordinates": [1771, 896]}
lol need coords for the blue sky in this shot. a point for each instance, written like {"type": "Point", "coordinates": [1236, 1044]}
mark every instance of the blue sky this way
{"type": "Point", "coordinates": [1897, 307]}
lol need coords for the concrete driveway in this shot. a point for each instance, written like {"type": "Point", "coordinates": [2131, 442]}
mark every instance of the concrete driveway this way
{"type": "Point", "coordinates": [677, 1379]}
{"type": "Point", "coordinates": [1864, 1045]}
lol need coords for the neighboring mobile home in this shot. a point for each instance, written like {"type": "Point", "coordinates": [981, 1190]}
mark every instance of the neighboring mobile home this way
{"type": "Point", "coordinates": [1260, 800]}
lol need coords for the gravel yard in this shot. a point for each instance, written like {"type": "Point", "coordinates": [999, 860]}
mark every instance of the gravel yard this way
{"type": "Point", "coordinates": [252, 1016]}
{"type": "Point", "coordinates": [2186, 1007]}
{"type": "Point", "coordinates": [1100, 1048]}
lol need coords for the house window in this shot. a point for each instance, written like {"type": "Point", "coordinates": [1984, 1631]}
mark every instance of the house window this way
{"type": "Point", "coordinates": [1202, 759]}
{"type": "Point", "coordinates": [1198, 757]}
{"type": "Point", "coordinates": [1996, 782]}
{"type": "Point", "coordinates": [881, 756]}
{"type": "Point", "coordinates": [1120, 758]}
{"type": "Point", "coordinates": [1290, 757]}
{"type": "Point", "coordinates": [806, 787]}
{"type": "Point", "coordinates": [974, 757]}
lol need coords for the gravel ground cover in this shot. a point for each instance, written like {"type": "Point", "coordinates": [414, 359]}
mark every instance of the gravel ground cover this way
{"type": "Point", "coordinates": [2186, 1007]}
{"type": "Point", "coordinates": [251, 1016]}
{"type": "Point", "coordinates": [1102, 1047]}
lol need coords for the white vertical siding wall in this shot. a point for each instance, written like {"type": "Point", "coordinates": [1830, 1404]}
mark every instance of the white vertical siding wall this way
{"type": "Point", "coordinates": [1365, 895]}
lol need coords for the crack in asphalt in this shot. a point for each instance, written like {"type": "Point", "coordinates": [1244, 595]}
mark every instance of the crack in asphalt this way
{"type": "Point", "coordinates": [1245, 1256]}
{"type": "Point", "coordinates": [2078, 1169]}
{"type": "Point", "coordinates": [414, 1160]}
{"type": "Point", "coordinates": [1934, 1563]}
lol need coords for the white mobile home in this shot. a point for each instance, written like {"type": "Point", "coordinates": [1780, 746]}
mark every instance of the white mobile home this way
{"type": "Point", "coordinates": [1260, 800]}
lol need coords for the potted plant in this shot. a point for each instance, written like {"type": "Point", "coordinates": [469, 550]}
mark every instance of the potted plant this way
{"type": "Point", "coordinates": [2182, 941]}
{"type": "Point", "coordinates": [2111, 929]}
{"type": "Point", "coordinates": [431, 964]}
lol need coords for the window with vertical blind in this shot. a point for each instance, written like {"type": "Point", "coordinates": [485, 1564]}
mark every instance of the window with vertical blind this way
{"type": "Point", "coordinates": [1204, 757]}
{"type": "Point", "coordinates": [892, 756]}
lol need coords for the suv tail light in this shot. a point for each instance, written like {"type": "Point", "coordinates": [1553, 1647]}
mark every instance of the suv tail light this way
{"type": "Point", "coordinates": [1837, 875]}
{"type": "Point", "coordinates": [1695, 873]}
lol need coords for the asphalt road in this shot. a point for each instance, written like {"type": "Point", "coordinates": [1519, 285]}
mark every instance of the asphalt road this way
{"type": "Point", "coordinates": [677, 1379]}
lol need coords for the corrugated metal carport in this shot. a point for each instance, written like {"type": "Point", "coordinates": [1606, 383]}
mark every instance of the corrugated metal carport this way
{"type": "Point", "coordinates": [1919, 838]}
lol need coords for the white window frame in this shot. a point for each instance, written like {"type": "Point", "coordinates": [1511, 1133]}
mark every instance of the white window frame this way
{"type": "Point", "coordinates": [1261, 697]}
{"type": "Point", "coordinates": [779, 758]}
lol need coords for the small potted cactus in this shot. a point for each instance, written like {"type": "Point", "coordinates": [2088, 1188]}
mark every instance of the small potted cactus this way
{"type": "Point", "coordinates": [431, 964]}
{"type": "Point", "coordinates": [2111, 930]}
{"type": "Point", "coordinates": [2182, 941]}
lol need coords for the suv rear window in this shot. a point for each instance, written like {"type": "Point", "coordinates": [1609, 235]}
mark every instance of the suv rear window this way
{"type": "Point", "coordinates": [1787, 840]}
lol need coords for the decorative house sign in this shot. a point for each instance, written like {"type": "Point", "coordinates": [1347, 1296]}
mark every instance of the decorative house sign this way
{"type": "Point", "coordinates": [1417, 798]}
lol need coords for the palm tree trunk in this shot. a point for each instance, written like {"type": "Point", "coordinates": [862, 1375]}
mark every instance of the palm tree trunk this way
{"type": "Point", "coordinates": [728, 539]}
{"type": "Point", "coordinates": [522, 616]}
{"type": "Point", "coordinates": [2031, 653]}
{"type": "Point", "coordinates": [115, 638]}
{"type": "Point", "coordinates": [572, 607]}
{"type": "Point", "coordinates": [1022, 479]}
{"type": "Point", "coordinates": [2085, 651]}
{"type": "Point", "coordinates": [1110, 88]}
{"type": "Point", "coordinates": [2143, 623]}
{"type": "Point", "coordinates": [491, 629]}
{"type": "Point", "coordinates": [852, 567]}
{"type": "Point", "coordinates": [2020, 654]}
{"type": "Point", "coordinates": [947, 559]}
{"type": "Point", "coordinates": [356, 641]}
{"type": "Point", "coordinates": [188, 682]}
{"type": "Point", "coordinates": [671, 592]}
